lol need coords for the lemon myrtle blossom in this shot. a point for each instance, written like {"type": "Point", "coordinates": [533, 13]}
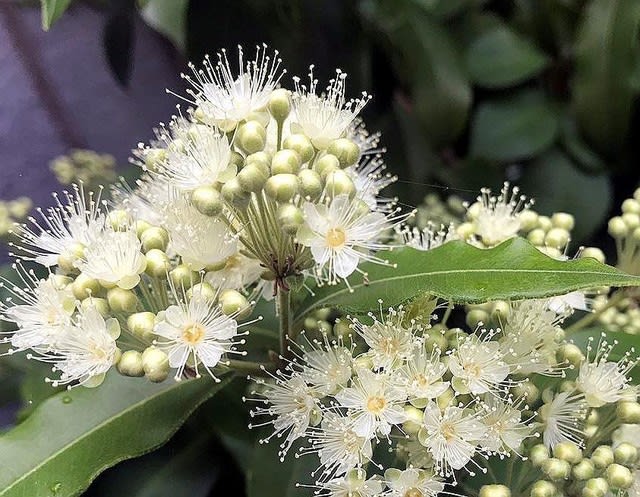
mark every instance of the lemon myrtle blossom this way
{"type": "Point", "coordinates": [412, 482]}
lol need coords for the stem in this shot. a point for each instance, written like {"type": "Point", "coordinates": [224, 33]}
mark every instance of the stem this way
{"type": "Point", "coordinates": [256, 368]}
{"type": "Point", "coordinates": [590, 318]}
{"type": "Point", "coordinates": [447, 313]}
{"type": "Point", "coordinates": [284, 311]}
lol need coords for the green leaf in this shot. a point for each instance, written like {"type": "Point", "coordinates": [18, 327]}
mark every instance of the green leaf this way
{"type": "Point", "coordinates": [52, 10]}
{"type": "Point", "coordinates": [169, 17]}
{"type": "Point", "coordinates": [607, 56]}
{"type": "Point", "coordinates": [558, 186]}
{"type": "Point", "coordinates": [75, 435]}
{"type": "Point", "coordinates": [514, 128]}
{"type": "Point", "coordinates": [501, 58]}
{"type": "Point", "coordinates": [578, 149]}
{"type": "Point", "coordinates": [463, 273]}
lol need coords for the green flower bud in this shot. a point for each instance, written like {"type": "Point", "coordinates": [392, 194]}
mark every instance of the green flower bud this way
{"type": "Point", "coordinates": [262, 158]}
{"type": "Point", "coordinates": [157, 263]}
{"type": "Point", "coordinates": [207, 200]}
{"type": "Point", "coordinates": [475, 316]}
{"type": "Point", "coordinates": [445, 398]}
{"type": "Point", "coordinates": [631, 220]}
{"type": "Point", "coordinates": [301, 144]}
{"type": "Point", "coordinates": [466, 231]}
{"type": "Point", "coordinates": [538, 454]}
{"type": "Point", "coordinates": [310, 184]}
{"type": "Point", "coordinates": [141, 226]}
{"type": "Point", "coordinates": [544, 223]}
{"type": "Point", "coordinates": [593, 252]}
{"type": "Point", "coordinates": [619, 477]}
{"type": "Point", "coordinates": [141, 325]}
{"type": "Point", "coordinates": [339, 183]}
{"type": "Point", "coordinates": [589, 431]}
{"type": "Point", "coordinates": [155, 364]}
{"type": "Point", "coordinates": [494, 491]}
{"type": "Point", "coordinates": [260, 116]}
{"type": "Point", "coordinates": [595, 487]}
{"type": "Point", "coordinates": [625, 453]}
{"type": "Point", "coordinates": [122, 300]}
{"type": "Point", "coordinates": [118, 219]}
{"type": "Point", "coordinates": [251, 137]}
{"type": "Point", "coordinates": [326, 164]}
{"type": "Point", "coordinates": [282, 187]}
{"type": "Point", "coordinates": [130, 363]}
{"type": "Point", "coordinates": [617, 227]}
{"type": "Point", "coordinates": [571, 354]}
{"type": "Point", "coordinates": [536, 237]}
{"type": "Point", "coordinates": [290, 218]}
{"type": "Point", "coordinates": [84, 286]}
{"type": "Point", "coordinates": [435, 340]}
{"type": "Point", "coordinates": [183, 277]}
{"type": "Point", "coordinates": [233, 193]}
{"type": "Point", "coordinates": [68, 258]}
{"type": "Point", "coordinates": [252, 178]}
{"type": "Point", "coordinates": [279, 104]}
{"type": "Point", "coordinates": [500, 310]}
{"type": "Point", "coordinates": [563, 220]}
{"type": "Point", "coordinates": [101, 305]}
{"type": "Point", "coordinates": [341, 329]}
{"type": "Point", "coordinates": [631, 205]}
{"type": "Point", "coordinates": [543, 488]}
{"type": "Point", "coordinates": [345, 150]}
{"type": "Point", "coordinates": [552, 252]}
{"type": "Point", "coordinates": [568, 451]}
{"type": "Point", "coordinates": [602, 456]}
{"type": "Point", "coordinates": [556, 469]}
{"type": "Point", "coordinates": [153, 157]}
{"type": "Point", "coordinates": [232, 301]}
{"type": "Point", "coordinates": [528, 220]}
{"type": "Point", "coordinates": [154, 238]}
{"type": "Point", "coordinates": [628, 412]}
{"type": "Point", "coordinates": [236, 159]}
{"type": "Point", "coordinates": [583, 470]}
{"type": "Point", "coordinates": [557, 238]}
{"type": "Point", "coordinates": [202, 291]}
{"type": "Point", "coordinates": [593, 418]}
{"type": "Point", "coordinates": [527, 390]}
{"type": "Point", "coordinates": [285, 162]}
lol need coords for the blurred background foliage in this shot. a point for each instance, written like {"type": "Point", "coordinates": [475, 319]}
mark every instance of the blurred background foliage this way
{"type": "Point", "coordinates": [467, 93]}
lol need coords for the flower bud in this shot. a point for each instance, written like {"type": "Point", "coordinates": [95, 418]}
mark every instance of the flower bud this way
{"type": "Point", "coordinates": [100, 305]}
{"type": "Point", "coordinates": [260, 116]}
{"type": "Point", "coordinates": [557, 238]}
{"type": "Point", "coordinates": [445, 398]}
{"type": "Point", "coordinates": [500, 310]}
{"type": "Point", "coordinates": [130, 363]}
{"type": "Point", "coordinates": [475, 316]}
{"type": "Point", "coordinates": [543, 488]}
{"type": "Point", "coordinates": [556, 469]}
{"type": "Point", "coordinates": [631, 205]}
{"type": "Point", "coordinates": [619, 477]}
{"type": "Point", "coordinates": [290, 218]}
{"type": "Point", "coordinates": [84, 286]}
{"type": "Point", "coordinates": [338, 183]}
{"type": "Point", "coordinates": [628, 412]}
{"type": "Point", "coordinates": [279, 104]}
{"type": "Point", "coordinates": [589, 431]}
{"type": "Point", "coordinates": [563, 220]}
{"type": "Point", "coordinates": [154, 237]}
{"type": "Point", "coordinates": [141, 325]}
{"type": "Point", "coordinates": [341, 329]}
{"type": "Point", "coordinates": [233, 193]}
{"type": "Point", "coordinates": [494, 491]}
{"type": "Point", "coordinates": [527, 390]}
{"type": "Point", "coordinates": [155, 364]}
{"type": "Point", "coordinates": [631, 220]}
{"type": "Point", "coordinates": [345, 150]}
{"type": "Point", "coordinates": [118, 219]}
{"type": "Point", "coordinates": [202, 291]}
{"type": "Point", "coordinates": [326, 164]}
{"type": "Point", "coordinates": [285, 162]}
{"type": "Point", "coordinates": [121, 300]}
{"type": "Point", "coordinates": [183, 277]}
{"type": "Point", "coordinates": [583, 470]}
{"type": "Point", "coordinates": [282, 187]}
{"type": "Point", "coordinates": [67, 259]}
{"type": "Point", "coordinates": [310, 184]}
{"type": "Point", "coordinates": [414, 420]}
{"type": "Point", "coordinates": [571, 354]}
{"type": "Point", "coordinates": [625, 453]}
{"type": "Point", "coordinates": [301, 144]}
{"type": "Point", "coordinates": [251, 137]}
{"type": "Point", "coordinates": [528, 220]}
{"type": "Point", "coordinates": [207, 200]}
{"type": "Point", "coordinates": [617, 227]}
{"type": "Point", "coordinates": [568, 451]}
{"type": "Point", "coordinates": [536, 237]}
{"type": "Point", "coordinates": [466, 231]}
{"type": "Point", "coordinates": [595, 487]}
{"type": "Point", "coordinates": [602, 456]}
{"type": "Point", "coordinates": [544, 223]}
{"type": "Point", "coordinates": [141, 226]}
{"type": "Point", "coordinates": [435, 340]}
{"type": "Point", "coordinates": [157, 263]}
{"type": "Point", "coordinates": [252, 178]}
{"type": "Point", "coordinates": [232, 301]}
{"type": "Point", "coordinates": [593, 252]}
{"type": "Point", "coordinates": [236, 159]}
{"type": "Point", "coordinates": [538, 454]}
{"type": "Point", "coordinates": [262, 158]}
{"type": "Point", "coordinates": [153, 157]}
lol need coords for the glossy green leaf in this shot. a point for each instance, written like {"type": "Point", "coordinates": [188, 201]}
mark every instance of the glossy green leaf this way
{"type": "Point", "coordinates": [75, 435]}
{"type": "Point", "coordinates": [501, 58]}
{"type": "Point", "coordinates": [463, 273]}
{"type": "Point", "coordinates": [514, 128]}
{"type": "Point", "coordinates": [52, 10]}
{"type": "Point", "coordinates": [607, 55]}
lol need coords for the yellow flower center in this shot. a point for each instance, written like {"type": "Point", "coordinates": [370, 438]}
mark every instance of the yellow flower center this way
{"type": "Point", "coordinates": [413, 492]}
{"type": "Point", "coordinates": [376, 404]}
{"type": "Point", "coordinates": [336, 238]}
{"type": "Point", "coordinates": [448, 431]}
{"type": "Point", "coordinates": [193, 333]}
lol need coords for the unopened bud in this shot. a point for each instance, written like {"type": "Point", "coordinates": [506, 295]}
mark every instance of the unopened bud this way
{"type": "Point", "coordinates": [339, 183]}
{"type": "Point", "coordinates": [202, 291]}
{"type": "Point", "coordinates": [556, 469]}
{"type": "Point", "coordinates": [475, 316]}
{"type": "Point", "coordinates": [100, 305]}
{"type": "Point", "coordinates": [557, 238]}
{"type": "Point", "coordinates": [528, 220]}
{"type": "Point", "coordinates": [538, 454]}
{"type": "Point", "coordinates": [571, 354]}
{"type": "Point", "coordinates": [583, 470]}
{"type": "Point", "coordinates": [628, 412]}
{"type": "Point", "coordinates": [310, 184]}
{"type": "Point", "coordinates": [183, 276]}
{"type": "Point", "coordinates": [232, 302]}
{"type": "Point", "coordinates": [568, 451]}
{"type": "Point", "coordinates": [326, 164]}
{"type": "Point", "coordinates": [84, 286]}
{"type": "Point", "coordinates": [290, 218]}
{"type": "Point", "coordinates": [154, 238]}
{"type": "Point", "coordinates": [233, 193]}
{"type": "Point", "coordinates": [631, 205]}
{"type": "Point", "coordinates": [625, 453]}
{"type": "Point", "coordinates": [617, 227]}
{"type": "Point", "coordinates": [279, 104]}
{"type": "Point", "coordinates": [594, 253]}
{"type": "Point", "coordinates": [121, 300]}
{"type": "Point", "coordinates": [619, 476]}
{"type": "Point", "coordinates": [543, 488]}
{"type": "Point", "coordinates": [282, 187]}
{"type": "Point", "coordinates": [595, 487]}
{"type": "Point", "coordinates": [153, 157]}
{"type": "Point", "coordinates": [345, 150]}
{"type": "Point", "coordinates": [252, 177]}
{"type": "Point", "coordinates": [155, 364]}
{"type": "Point", "coordinates": [207, 200]}
{"type": "Point", "coordinates": [301, 144]}
{"type": "Point", "coordinates": [494, 491]}
{"type": "Point", "coordinates": [536, 237]}
{"type": "Point", "coordinates": [141, 325]}
{"type": "Point", "coordinates": [563, 220]}
{"type": "Point", "coordinates": [130, 363]}
{"type": "Point", "coordinates": [251, 137]}
{"type": "Point", "coordinates": [602, 456]}
{"type": "Point", "coordinates": [157, 263]}
{"type": "Point", "coordinates": [285, 162]}
{"type": "Point", "coordinates": [544, 223]}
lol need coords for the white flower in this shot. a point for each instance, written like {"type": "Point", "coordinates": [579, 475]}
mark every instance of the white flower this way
{"type": "Point", "coordinates": [195, 333]}
{"type": "Point", "coordinates": [226, 99]}
{"type": "Point", "coordinates": [565, 304]}
{"type": "Point", "coordinates": [200, 240]}
{"type": "Point", "coordinates": [354, 484]}
{"type": "Point", "coordinates": [603, 381]}
{"type": "Point", "coordinates": [374, 403]}
{"type": "Point", "coordinates": [325, 117]}
{"type": "Point", "coordinates": [368, 143]}
{"type": "Point", "coordinates": [496, 219]}
{"type": "Point", "coordinates": [42, 311]}
{"type": "Point", "coordinates": [204, 159]}
{"type": "Point", "coordinates": [428, 238]}
{"type": "Point", "coordinates": [422, 376]}
{"type": "Point", "coordinates": [147, 201]}
{"type": "Point", "coordinates": [506, 430]}
{"type": "Point", "coordinates": [451, 436]}
{"type": "Point", "coordinates": [114, 257]}
{"type": "Point", "coordinates": [478, 366]}
{"type": "Point", "coordinates": [294, 405]}
{"type": "Point", "coordinates": [338, 446]}
{"type": "Point", "coordinates": [369, 180]}
{"type": "Point", "coordinates": [328, 370]}
{"type": "Point", "coordinates": [238, 273]}
{"type": "Point", "coordinates": [340, 236]}
{"type": "Point", "coordinates": [562, 419]}
{"type": "Point", "coordinates": [87, 350]}
{"type": "Point", "coordinates": [64, 229]}
{"type": "Point", "coordinates": [412, 483]}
